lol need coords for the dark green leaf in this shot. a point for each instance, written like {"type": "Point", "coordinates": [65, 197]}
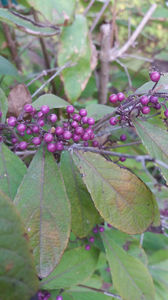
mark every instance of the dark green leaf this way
{"type": "Point", "coordinates": [51, 100]}
{"type": "Point", "coordinates": [18, 279]}
{"type": "Point", "coordinates": [6, 68]}
{"type": "Point", "coordinates": [97, 111]}
{"type": "Point", "coordinates": [12, 170]}
{"type": "Point", "coordinates": [113, 191]}
{"type": "Point", "coordinates": [3, 105]}
{"type": "Point", "coordinates": [75, 266]}
{"type": "Point", "coordinates": [44, 206]}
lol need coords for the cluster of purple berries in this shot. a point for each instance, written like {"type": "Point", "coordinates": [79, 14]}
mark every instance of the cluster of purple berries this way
{"type": "Point", "coordinates": [96, 230]}
{"type": "Point", "coordinates": [77, 129]}
{"type": "Point", "coordinates": [45, 295]}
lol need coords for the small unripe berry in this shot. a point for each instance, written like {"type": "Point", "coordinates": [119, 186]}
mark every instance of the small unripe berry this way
{"type": "Point", "coordinates": [91, 239]}
{"type": "Point", "coordinates": [153, 99]}
{"type": "Point", "coordinates": [158, 106]}
{"type": "Point", "coordinates": [145, 110]}
{"type": "Point", "coordinates": [36, 141]}
{"type": "Point", "coordinates": [51, 147]}
{"type": "Point", "coordinates": [12, 121]}
{"type": "Point", "coordinates": [123, 137]}
{"type": "Point", "coordinates": [122, 158]}
{"type": "Point", "coordinates": [48, 138]}
{"type": "Point", "coordinates": [91, 121]}
{"type": "Point", "coordinates": [87, 247]}
{"type": "Point", "coordinates": [79, 130]}
{"type": "Point", "coordinates": [120, 97]}
{"type": "Point", "coordinates": [155, 76]}
{"type": "Point", "coordinates": [83, 112]}
{"type": "Point", "coordinates": [113, 98]}
{"type": "Point", "coordinates": [21, 127]}
{"type": "Point", "coordinates": [84, 120]}
{"type": "Point", "coordinates": [45, 109]}
{"type": "Point", "coordinates": [166, 113]}
{"type": "Point", "coordinates": [28, 108]}
{"type": "Point", "coordinates": [113, 121]}
{"type": "Point", "coordinates": [67, 135]}
{"type": "Point", "coordinates": [59, 131]}
{"type": "Point", "coordinates": [35, 129]}
{"type": "Point", "coordinates": [22, 145]}
{"type": "Point", "coordinates": [76, 138]}
{"type": "Point", "coordinates": [101, 229]}
{"type": "Point", "coordinates": [53, 118]}
{"type": "Point", "coordinates": [76, 117]}
{"type": "Point", "coordinates": [41, 122]}
{"type": "Point", "coordinates": [59, 146]}
{"type": "Point", "coordinates": [144, 100]}
{"type": "Point", "coordinates": [70, 109]}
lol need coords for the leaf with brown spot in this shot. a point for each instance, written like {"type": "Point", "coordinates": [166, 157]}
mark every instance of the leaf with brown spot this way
{"type": "Point", "coordinates": [18, 97]}
{"type": "Point", "coordinates": [45, 209]}
{"type": "Point", "coordinates": [121, 198]}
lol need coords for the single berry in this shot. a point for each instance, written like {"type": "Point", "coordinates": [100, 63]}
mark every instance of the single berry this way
{"type": "Point", "coordinates": [120, 97]}
{"type": "Point", "coordinates": [59, 146]}
{"type": "Point", "coordinates": [53, 118]}
{"type": "Point", "coordinates": [28, 131]}
{"type": "Point", "coordinates": [21, 127]}
{"type": "Point", "coordinates": [59, 297]}
{"type": "Point", "coordinates": [74, 124]}
{"type": "Point", "coordinates": [91, 239]}
{"type": "Point", "coordinates": [76, 117]}
{"type": "Point", "coordinates": [101, 229]}
{"type": "Point", "coordinates": [87, 247]}
{"type": "Point", "coordinates": [48, 138]}
{"type": "Point", "coordinates": [35, 129]}
{"type": "Point", "coordinates": [65, 124]}
{"type": "Point", "coordinates": [153, 99]}
{"type": "Point", "coordinates": [59, 130]}
{"type": "Point", "coordinates": [67, 135]}
{"type": "Point", "coordinates": [86, 137]}
{"type": "Point", "coordinates": [83, 112]}
{"type": "Point", "coordinates": [92, 136]}
{"type": "Point", "coordinates": [79, 130]}
{"type": "Point", "coordinates": [45, 109]}
{"type": "Point", "coordinates": [12, 121]}
{"type": "Point", "coordinates": [76, 138]}
{"type": "Point", "coordinates": [113, 98]}
{"type": "Point", "coordinates": [95, 230]}
{"type": "Point", "coordinates": [22, 145]}
{"type": "Point", "coordinates": [84, 120]}
{"type": "Point", "coordinates": [155, 76]}
{"type": "Point", "coordinates": [91, 121]}
{"type": "Point", "coordinates": [123, 137]}
{"type": "Point", "coordinates": [158, 106]}
{"type": "Point", "coordinates": [41, 122]}
{"type": "Point", "coordinates": [95, 143]}
{"type": "Point", "coordinates": [122, 158]}
{"type": "Point", "coordinates": [40, 114]}
{"type": "Point", "coordinates": [21, 133]}
{"type": "Point", "coordinates": [113, 121]}
{"type": "Point", "coordinates": [51, 147]}
{"type": "Point", "coordinates": [145, 110]}
{"type": "Point", "coordinates": [86, 144]}
{"type": "Point", "coordinates": [89, 131]}
{"type": "Point", "coordinates": [70, 109]}
{"type": "Point", "coordinates": [109, 225]}
{"type": "Point", "coordinates": [14, 140]}
{"type": "Point", "coordinates": [36, 141]}
{"type": "Point", "coordinates": [144, 100]}
{"type": "Point", "coordinates": [166, 113]}
{"type": "Point", "coordinates": [28, 108]}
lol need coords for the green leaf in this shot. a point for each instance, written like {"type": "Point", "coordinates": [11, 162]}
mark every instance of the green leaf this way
{"type": "Point", "coordinates": [6, 67]}
{"type": "Point", "coordinates": [24, 25]}
{"type": "Point", "coordinates": [158, 266]}
{"type": "Point", "coordinates": [98, 111]}
{"type": "Point", "coordinates": [86, 295]}
{"type": "Point", "coordinates": [130, 277]}
{"type": "Point", "coordinates": [51, 100]}
{"type": "Point", "coordinates": [55, 11]}
{"type": "Point", "coordinates": [155, 141]}
{"type": "Point", "coordinates": [84, 213]}
{"type": "Point", "coordinates": [44, 206]}
{"type": "Point", "coordinates": [18, 279]}
{"type": "Point", "coordinates": [3, 105]}
{"type": "Point", "coordinates": [162, 86]}
{"type": "Point", "coordinates": [75, 47]}
{"type": "Point", "coordinates": [12, 170]}
{"type": "Point", "coordinates": [113, 191]}
{"type": "Point", "coordinates": [75, 266]}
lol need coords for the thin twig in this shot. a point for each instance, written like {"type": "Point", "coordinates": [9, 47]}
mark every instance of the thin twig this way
{"type": "Point", "coordinates": [41, 74]}
{"type": "Point", "coordinates": [115, 54]}
{"type": "Point", "coordinates": [99, 15]}
{"type": "Point", "coordinates": [126, 71]}
{"type": "Point", "coordinates": [125, 145]}
{"type": "Point", "coordinates": [88, 7]}
{"type": "Point", "coordinates": [100, 291]}
{"type": "Point", "coordinates": [137, 57]}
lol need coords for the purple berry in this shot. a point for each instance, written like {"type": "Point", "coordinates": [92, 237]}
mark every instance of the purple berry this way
{"type": "Point", "coordinates": [158, 106]}
{"type": "Point", "coordinates": [65, 124]}
{"type": "Point", "coordinates": [155, 76]}
{"type": "Point", "coordinates": [109, 225]}
{"type": "Point", "coordinates": [95, 143]}
{"type": "Point", "coordinates": [122, 158]}
{"type": "Point", "coordinates": [12, 121]}
{"type": "Point", "coordinates": [153, 99]}
{"type": "Point", "coordinates": [113, 98]}
{"type": "Point", "coordinates": [22, 145]}
{"type": "Point", "coordinates": [85, 137]}
{"type": "Point", "coordinates": [92, 136]}
{"type": "Point", "coordinates": [91, 239]}
{"type": "Point", "coordinates": [53, 118]}
{"type": "Point", "coordinates": [1, 139]}
{"type": "Point", "coordinates": [45, 109]}
{"type": "Point", "coordinates": [120, 97]}
{"type": "Point", "coordinates": [87, 247]}
{"type": "Point", "coordinates": [76, 138]}
{"type": "Point", "coordinates": [35, 129]}
{"type": "Point", "coordinates": [28, 108]}
{"type": "Point", "coordinates": [21, 127]}
{"type": "Point", "coordinates": [51, 147]}
{"type": "Point", "coordinates": [95, 230]}
{"type": "Point", "coordinates": [91, 121]}
{"type": "Point", "coordinates": [59, 297]}
{"type": "Point", "coordinates": [123, 137]}
{"type": "Point", "coordinates": [83, 112]}
{"type": "Point", "coordinates": [79, 130]}
{"type": "Point", "coordinates": [59, 146]}
{"type": "Point", "coordinates": [41, 122]}
{"type": "Point", "coordinates": [14, 140]}
{"type": "Point", "coordinates": [36, 141]}
{"type": "Point", "coordinates": [67, 135]}
{"type": "Point", "coordinates": [101, 229]}
{"type": "Point", "coordinates": [166, 113]}
{"type": "Point", "coordinates": [74, 124]}
{"type": "Point", "coordinates": [144, 100]}
{"type": "Point", "coordinates": [89, 131]}
{"type": "Point", "coordinates": [113, 121]}
{"type": "Point", "coordinates": [40, 114]}
{"type": "Point", "coordinates": [86, 144]}
{"type": "Point", "coordinates": [84, 120]}
{"type": "Point", "coordinates": [48, 138]}
{"type": "Point", "coordinates": [28, 131]}
{"type": "Point", "coordinates": [0, 114]}
{"type": "Point", "coordinates": [76, 117]}
{"type": "Point", "coordinates": [70, 109]}
{"type": "Point", "coordinates": [59, 130]}
{"type": "Point", "coordinates": [145, 110]}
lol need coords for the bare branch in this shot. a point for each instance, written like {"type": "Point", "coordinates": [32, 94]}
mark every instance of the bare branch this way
{"type": "Point", "coordinates": [99, 15]}
{"type": "Point", "coordinates": [88, 7]}
{"type": "Point", "coordinates": [126, 71]}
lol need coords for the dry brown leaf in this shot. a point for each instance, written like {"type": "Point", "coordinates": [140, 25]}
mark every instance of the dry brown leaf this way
{"type": "Point", "coordinates": [18, 97]}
